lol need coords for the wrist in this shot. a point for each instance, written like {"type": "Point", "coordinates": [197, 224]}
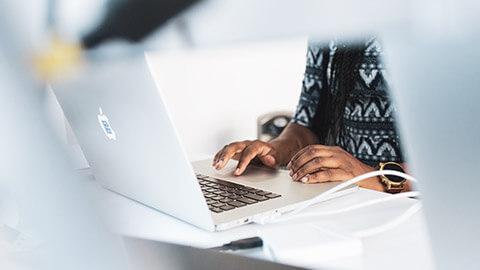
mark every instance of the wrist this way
{"type": "Point", "coordinates": [372, 183]}
{"type": "Point", "coordinates": [285, 149]}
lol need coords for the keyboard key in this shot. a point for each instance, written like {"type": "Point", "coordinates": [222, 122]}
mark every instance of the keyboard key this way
{"type": "Point", "coordinates": [218, 204]}
{"type": "Point", "coordinates": [211, 179]}
{"type": "Point", "coordinates": [273, 195]}
{"type": "Point", "coordinates": [246, 200]}
{"type": "Point", "coordinates": [241, 192]}
{"type": "Point", "coordinates": [255, 197]}
{"type": "Point", "coordinates": [263, 193]}
{"type": "Point", "coordinates": [226, 200]}
{"type": "Point", "coordinates": [235, 196]}
{"type": "Point", "coordinates": [236, 203]}
{"type": "Point", "coordinates": [227, 207]}
{"type": "Point", "coordinates": [218, 198]}
{"type": "Point", "coordinates": [216, 210]}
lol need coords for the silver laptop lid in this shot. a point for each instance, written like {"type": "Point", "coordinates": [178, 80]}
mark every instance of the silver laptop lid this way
{"type": "Point", "coordinates": [436, 86]}
{"type": "Point", "coordinates": [126, 134]}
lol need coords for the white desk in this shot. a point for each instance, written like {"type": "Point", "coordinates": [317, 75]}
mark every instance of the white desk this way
{"type": "Point", "coordinates": [406, 247]}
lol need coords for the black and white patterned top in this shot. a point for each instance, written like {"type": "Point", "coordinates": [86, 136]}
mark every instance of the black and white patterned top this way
{"type": "Point", "coordinates": [368, 131]}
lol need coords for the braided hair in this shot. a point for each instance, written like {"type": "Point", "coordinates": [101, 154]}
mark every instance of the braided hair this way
{"type": "Point", "coordinates": [343, 75]}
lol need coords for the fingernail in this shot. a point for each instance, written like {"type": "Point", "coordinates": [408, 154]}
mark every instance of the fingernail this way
{"type": "Point", "coordinates": [289, 165]}
{"type": "Point", "coordinates": [295, 177]}
{"type": "Point", "coordinates": [291, 172]}
{"type": "Point", "coordinates": [304, 179]}
{"type": "Point", "coordinates": [237, 171]}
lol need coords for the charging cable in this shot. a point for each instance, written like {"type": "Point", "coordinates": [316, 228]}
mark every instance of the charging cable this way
{"type": "Point", "coordinates": [356, 206]}
{"type": "Point", "coordinates": [320, 197]}
{"type": "Point", "coordinates": [254, 242]}
{"type": "Point", "coordinates": [246, 243]}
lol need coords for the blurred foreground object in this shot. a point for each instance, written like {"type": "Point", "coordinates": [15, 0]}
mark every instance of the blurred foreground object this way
{"type": "Point", "coordinates": [59, 225]}
{"type": "Point", "coordinates": [58, 58]}
{"type": "Point", "coordinates": [133, 19]}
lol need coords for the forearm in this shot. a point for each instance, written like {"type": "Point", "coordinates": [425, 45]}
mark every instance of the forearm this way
{"type": "Point", "coordinates": [293, 138]}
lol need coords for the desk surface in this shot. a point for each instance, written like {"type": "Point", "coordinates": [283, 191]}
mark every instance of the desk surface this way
{"type": "Point", "coordinates": [405, 247]}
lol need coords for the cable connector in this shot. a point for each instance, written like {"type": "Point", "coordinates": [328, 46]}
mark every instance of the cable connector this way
{"type": "Point", "coordinates": [246, 243]}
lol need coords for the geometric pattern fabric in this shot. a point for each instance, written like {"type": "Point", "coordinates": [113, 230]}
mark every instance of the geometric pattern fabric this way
{"type": "Point", "coordinates": [368, 128]}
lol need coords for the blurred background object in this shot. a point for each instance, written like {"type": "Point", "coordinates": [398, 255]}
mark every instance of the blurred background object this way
{"type": "Point", "coordinates": [270, 125]}
{"type": "Point", "coordinates": [133, 20]}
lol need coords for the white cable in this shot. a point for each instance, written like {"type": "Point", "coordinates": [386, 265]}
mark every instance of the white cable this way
{"type": "Point", "coordinates": [391, 224]}
{"type": "Point", "coordinates": [263, 220]}
{"type": "Point", "coordinates": [352, 207]}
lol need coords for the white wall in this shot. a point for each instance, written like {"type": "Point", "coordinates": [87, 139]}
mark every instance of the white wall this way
{"type": "Point", "coordinates": [215, 94]}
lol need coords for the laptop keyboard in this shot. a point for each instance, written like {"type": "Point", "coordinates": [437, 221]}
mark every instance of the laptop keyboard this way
{"type": "Point", "coordinates": [223, 196]}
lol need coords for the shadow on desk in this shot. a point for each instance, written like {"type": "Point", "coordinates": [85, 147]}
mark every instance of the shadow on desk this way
{"type": "Point", "coordinates": [149, 255]}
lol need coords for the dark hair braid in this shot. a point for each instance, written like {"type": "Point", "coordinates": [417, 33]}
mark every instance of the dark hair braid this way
{"type": "Point", "coordinates": [343, 75]}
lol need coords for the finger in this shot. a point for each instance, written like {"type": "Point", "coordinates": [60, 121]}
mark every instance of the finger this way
{"type": "Point", "coordinates": [304, 151]}
{"type": "Point", "coordinates": [229, 152]}
{"type": "Point", "coordinates": [217, 156]}
{"type": "Point", "coordinates": [249, 153]}
{"type": "Point", "coordinates": [221, 152]}
{"type": "Point", "coordinates": [269, 160]}
{"type": "Point", "coordinates": [269, 157]}
{"type": "Point", "coordinates": [301, 152]}
{"type": "Point", "coordinates": [314, 165]}
{"type": "Point", "coordinates": [327, 176]}
{"type": "Point", "coordinates": [308, 154]}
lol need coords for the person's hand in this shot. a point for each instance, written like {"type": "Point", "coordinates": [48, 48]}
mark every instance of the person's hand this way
{"type": "Point", "coordinates": [245, 152]}
{"type": "Point", "coordinates": [320, 163]}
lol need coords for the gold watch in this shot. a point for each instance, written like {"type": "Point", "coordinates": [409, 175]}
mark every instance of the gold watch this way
{"type": "Point", "coordinates": [392, 183]}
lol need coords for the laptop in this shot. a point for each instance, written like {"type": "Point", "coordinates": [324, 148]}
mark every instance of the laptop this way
{"type": "Point", "coordinates": [123, 127]}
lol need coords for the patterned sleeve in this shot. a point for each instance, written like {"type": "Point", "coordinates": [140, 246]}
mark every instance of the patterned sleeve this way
{"type": "Point", "coordinates": [313, 85]}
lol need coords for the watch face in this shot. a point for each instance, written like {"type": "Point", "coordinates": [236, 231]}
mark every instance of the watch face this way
{"type": "Point", "coordinates": [394, 167]}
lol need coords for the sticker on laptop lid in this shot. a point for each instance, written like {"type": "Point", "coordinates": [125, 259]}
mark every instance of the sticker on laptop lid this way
{"type": "Point", "coordinates": [105, 124]}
